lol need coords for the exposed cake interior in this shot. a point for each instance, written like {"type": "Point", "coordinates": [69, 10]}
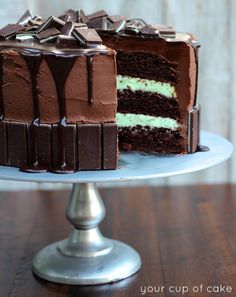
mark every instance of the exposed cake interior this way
{"type": "Point", "coordinates": [156, 92]}
{"type": "Point", "coordinates": [148, 111]}
{"type": "Point", "coordinates": [58, 98]}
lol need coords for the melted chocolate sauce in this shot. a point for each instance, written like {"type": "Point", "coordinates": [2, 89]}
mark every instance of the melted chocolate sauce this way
{"type": "Point", "coordinates": [90, 78]}
{"type": "Point", "coordinates": [202, 148]}
{"type": "Point", "coordinates": [60, 67]}
{"type": "Point", "coordinates": [33, 62]}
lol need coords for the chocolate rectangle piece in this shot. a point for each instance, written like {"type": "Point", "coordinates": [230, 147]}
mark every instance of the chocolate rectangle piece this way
{"type": "Point", "coordinates": [116, 18]}
{"type": "Point", "coordinates": [194, 129]}
{"type": "Point", "coordinates": [3, 143]}
{"type": "Point", "coordinates": [70, 147]}
{"type": "Point", "coordinates": [73, 15]}
{"type": "Point", "coordinates": [97, 14]}
{"type": "Point", "coordinates": [17, 144]}
{"type": "Point", "coordinates": [55, 146]}
{"type": "Point", "coordinates": [87, 36]}
{"type": "Point", "coordinates": [64, 41]}
{"type": "Point", "coordinates": [51, 22]}
{"type": "Point", "coordinates": [89, 146]}
{"type": "Point", "coordinates": [67, 28]}
{"type": "Point", "coordinates": [9, 30]}
{"type": "Point", "coordinates": [109, 146]}
{"type": "Point", "coordinates": [25, 18]}
{"type": "Point", "coordinates": [44, 145]}
{"type": "Point", "coordinates": [48, 34]}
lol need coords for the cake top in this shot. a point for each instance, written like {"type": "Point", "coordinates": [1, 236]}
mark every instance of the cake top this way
{"type": "Point", "coordinates": [75, 29]}
{"type": "Point", "coordinates": [64, 31]}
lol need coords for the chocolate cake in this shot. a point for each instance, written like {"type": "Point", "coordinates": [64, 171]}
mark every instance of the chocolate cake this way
{"type": "Point", "coordinates": [59, 88]}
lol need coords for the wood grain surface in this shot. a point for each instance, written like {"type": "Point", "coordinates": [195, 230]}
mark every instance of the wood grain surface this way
{"type": "Point", "coordinates": [186, 236]}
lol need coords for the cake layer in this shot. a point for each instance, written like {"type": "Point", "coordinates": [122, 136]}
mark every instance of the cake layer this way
{"type": "Point", "coordinates": [146, 65]}
{"type": "Point", "coordinates": [180, 51]}
{"type": "Point", "coordinates": [151, 140]}
{"type": "Point", "coordinates": [177, 55]}
{"type": "Point", "coordinates": [57, 148]}
{"type": "Point", "coordinates": [146, 85]}
{"type": "Point", "coordinates": [131, 120]}
{"type": "Point", "coordinates": [148, 103]}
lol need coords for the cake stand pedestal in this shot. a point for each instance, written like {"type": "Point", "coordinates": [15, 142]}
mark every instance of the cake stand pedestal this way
{"type": "Point", "coordinates": [86, 257]}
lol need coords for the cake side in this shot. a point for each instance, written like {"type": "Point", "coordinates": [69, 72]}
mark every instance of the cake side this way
{"type": "Point", "coordinates": [53, 103]}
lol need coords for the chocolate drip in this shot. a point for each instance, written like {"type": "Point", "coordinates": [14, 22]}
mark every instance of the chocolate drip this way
{"type": "Point", "coordinates": [1, 82]}
{"type": "Point", "coordinates": [90, 78]}
{"type": "Point", "coordinates": [60, 67]}
{"type": "Point", "coordinates": [202, 148]}
{"type": "Point", "coordinates": [33, 62]}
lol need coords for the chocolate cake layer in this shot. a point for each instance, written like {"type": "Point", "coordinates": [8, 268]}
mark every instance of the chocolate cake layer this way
{"type": "Point", "coordinates": [109, 144]}
{"type": "Point", "coordinates": [38, 148]}
{"type": "Point", "coordinates": [179, 50]}
{"type": "Point", "coordinates": [17, 144]}
{"type": "Point", "coordinates": [149, 104]}
{"type": "Point", "coordinates": [146, 65]}
{"type": "Point", "coordinates": [151, 140]}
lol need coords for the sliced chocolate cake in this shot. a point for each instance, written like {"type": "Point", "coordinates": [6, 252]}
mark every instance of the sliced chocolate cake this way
{"type": "Point", "coordinates": [60, 78]}
{"type": "Point", "coordinates": [58, 96]}
{"type": "Point", "coordinates": [156, 82]}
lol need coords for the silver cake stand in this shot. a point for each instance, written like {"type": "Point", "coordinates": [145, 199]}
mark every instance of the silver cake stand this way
{"type": "Point", "coordinates": [86, 257]}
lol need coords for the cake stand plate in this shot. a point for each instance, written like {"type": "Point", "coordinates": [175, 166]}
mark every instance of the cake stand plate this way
{"type": "Point", "coordinates": [86, 257]}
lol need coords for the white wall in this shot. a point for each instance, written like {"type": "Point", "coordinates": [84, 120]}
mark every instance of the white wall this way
{"type": "Point", "coordinates": [212, 21]}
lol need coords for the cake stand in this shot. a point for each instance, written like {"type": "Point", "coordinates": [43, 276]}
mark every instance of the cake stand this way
{"type": "Point", "coordinates": [86, 257]}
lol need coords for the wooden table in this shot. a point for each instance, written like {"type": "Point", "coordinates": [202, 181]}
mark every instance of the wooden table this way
{"type": "Point", "coordinates": [186, 237]}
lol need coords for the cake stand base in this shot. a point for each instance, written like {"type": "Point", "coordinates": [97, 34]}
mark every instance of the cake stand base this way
{"type": "Point", "coordinates": [86, 257]}
{"type": "Point", "coordinates": [121, 262]}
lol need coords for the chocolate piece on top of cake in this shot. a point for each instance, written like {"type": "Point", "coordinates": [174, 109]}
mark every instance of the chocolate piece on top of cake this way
{"type": "Point", "coordinates": [25, 18]}
{"type": "Point", "coordinates": [87, 36]}
{"type": "Point", "coordinates": [67, 28]}
{"type": "Point", "coordinates": [10, 30]}
{"type": "Point", "coordinates": [48, 35]}
{"type": "Point", "coordinates": [51, 22]}
{"type": "Point", "coordinates": [97, 14]}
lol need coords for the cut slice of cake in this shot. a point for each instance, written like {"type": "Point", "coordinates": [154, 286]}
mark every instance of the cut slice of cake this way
{"type": "Point", "coordinates": [157, 85]}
